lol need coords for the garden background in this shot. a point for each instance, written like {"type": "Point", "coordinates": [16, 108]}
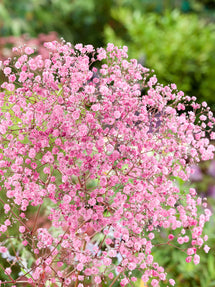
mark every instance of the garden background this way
{"type": "Point", "coordinates": [176, 38]}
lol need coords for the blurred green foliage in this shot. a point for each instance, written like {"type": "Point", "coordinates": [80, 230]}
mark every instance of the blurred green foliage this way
{"type": "Point", "coordinates": [180, 47]}
{"type": "Point", "coordinates": [75, 21]}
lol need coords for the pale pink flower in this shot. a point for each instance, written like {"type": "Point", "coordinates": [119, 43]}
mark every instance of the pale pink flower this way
{"type": "Point", "coordinates": [32, 153]}
{"type": "Point", "coordinates": [22, 229]}
{"type": "Point", "coordinates": [172, 282]}
{"type": "Point", "coordinates": [8, 270]}
{"type": "Point", "coordinates": [29, 50]}
{"type": "Point", "coordinates": [206, 248]}
{"type": "Point", "coordinates": [196, 259]}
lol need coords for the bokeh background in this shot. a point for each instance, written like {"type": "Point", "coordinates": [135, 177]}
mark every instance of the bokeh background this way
{"type": "Point", "coordinates": [175, 38]}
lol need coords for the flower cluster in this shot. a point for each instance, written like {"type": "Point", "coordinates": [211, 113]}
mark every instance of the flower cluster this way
{"type": "Point", "coordinates": [90, 141]}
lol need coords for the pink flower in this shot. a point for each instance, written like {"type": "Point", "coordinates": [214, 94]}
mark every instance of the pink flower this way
{"type": "Point", "coordinates": [7, 71]}
{"type": "Point", "coordinates": [32, 153]}
{"type": "Point", "coordinates": [180, 240]}
{"type": "Point", "coordinates": [132, 266]}
{"type": "Point", "coordinates": [190, 251]}
{"type": "Point", "coordinates": [110, 47]}
{"type": "Point", "coordinates": [109, 148]}
{"type": "Point", "coordinates": [96, 107]}
{"type": "Point", "coordinates": [103, 181]}
{"type": "Point", "coordinates": [6, 208]}
{"type": "Point", "coordinates": [25, 242]}
{"type": "Point", "coordinates": [98, 279]}
{"type": "Point", "coordinates": [108, 241]}
{"type": "Point", "coordinates": [10, 87]}
{"type": "Point", "coordinates": [92, 201]}
{"type": "Point", "coordinates": [3, 228]}
{"type": "Point", "coordinates": [117, 114]}
{"type": "Point", "coordinates": [8, 270]}
{"type": "Point", "coordinates": [154, 282]}
{"type": "Point", "coordinates": [151, 236]}
{"type": "Point", "coordinates": [12, 78]}
{"type": "Point", "coordinates": [76, 115]}
{"type": "Point", "coordinates": [93, 157]}
{"type": "Point", "coordinates": [80, 267]}
{"type": "Point", "coordinates": [172, 282]}
{"type": "Point", "coordinates": [21, 229]}
{"type": "Point", "coordinates": [107, 261]}
{"type": "Point", "coordinates": [196, 259]}
{"type": "Point", "coordinates": [139, 186]}
{"type": "Point", "coordinates": [7, 222]}
{"type": "Point", "coordinates": [3, 249]}
{"type": "Point", "coordinates": [29, 50]}
{"type": "Point", "coordinates": [206, 248]}
{"type": "Point", "coordinates": [101, 54]}
{"type": "Point", "coordinates": [124, 282]}
{"type": "Point", "coordinates": [171, 236]}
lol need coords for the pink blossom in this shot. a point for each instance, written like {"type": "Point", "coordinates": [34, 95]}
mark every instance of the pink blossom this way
{"type": "Point", "coordinates": [22, 229]}
{"type": "Point", "coordinates": [101, 54]}
{"type": "Point", "coordinates": [180, 240]}
{"type": "Point", "coordinates": [3, 249]}
{"type": "Point", "coordinates": [196, 259]}
{"type": "Point", "coordinates": [25, 242]}
{"type": "Point", "coordinates": [7, 71]}
{"type": "Point", "coordinates": [8, 270]}
{"type": "Point", "coordinates": [80, 267]}
{"type": "Point", "coordinates": [6, 208]}
{"type": "Point", "coordinates": [10, 87]}
{"type": "Point", "coordinates": [132, 266]}
{"type": "Point", "coordinates": [7, 222]}
{"type": "Point", "coordinates": [76, 115]}
{"type": "Point", "coordinates": [108, 241]}
{"type": "Point", "coordinates": [124, 282]}
{"type": "Point", "coordinates": [109, 148]}
{"type": "Point", "coordinates": [205, 237]}
{"type": "Point", "coordinates": [117, 114]}
{"type": "Point", "coordinates": [172, 282]}
{"type": "Point", "coordinates": [98, 280]}
{"type": "Point", "coordinates": [154, 282]}
{"type": "Point", "coordinates": [96, 161]}
{"type": "Point", "coordinates": [29, 50]}
{"type": "Point", "coordinates": [151, 236]}
{"type": "Point", "coordinates": [46, 170]}
{"type": "Point", "coordinates": [96, 107]}
{"type": "Point", "coordinates": [32, 153]}
{"type": "Point", "coordinates": [206, 248]}
{"type": "Point", "coordinates": [190, 251]}
{"type": "Point", "coordinates": [107, 261]}
{"type": "Point", "coordinates": [171, 236]}
{"type": "Point", "coordinates": [3, 228]}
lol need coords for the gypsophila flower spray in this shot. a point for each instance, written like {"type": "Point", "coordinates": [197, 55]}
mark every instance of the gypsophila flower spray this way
{"type": "Point", "coordinates": [91, 143]}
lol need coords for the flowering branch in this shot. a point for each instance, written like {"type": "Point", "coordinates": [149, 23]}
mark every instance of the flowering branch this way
{"type": "Point", "coordinates": [102, 158]}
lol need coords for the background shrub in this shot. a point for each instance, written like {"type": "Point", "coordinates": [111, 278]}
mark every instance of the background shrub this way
{"type": "Point", "coordinates": [181, 48]}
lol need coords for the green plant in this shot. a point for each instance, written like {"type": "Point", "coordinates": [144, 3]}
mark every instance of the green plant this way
{"type": "Point", "coordinates": [181, 48]}
{"type": "Point", "coordinates": [77, 21]}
